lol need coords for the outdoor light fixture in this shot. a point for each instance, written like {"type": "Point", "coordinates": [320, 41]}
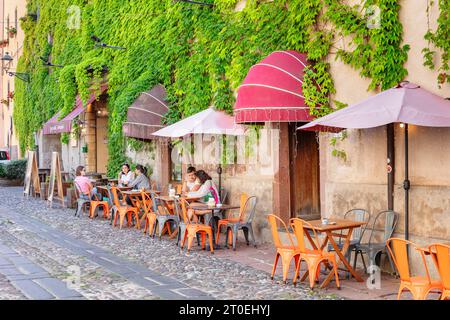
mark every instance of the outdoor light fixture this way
{"type": "Point", "coordinates": [7, 57]}
{"type": "Point", "coordinates": [20, 75]}
{"type": "Point", "coordinates": [99, 43]}
{"type": "Point", "coordinates": [49, 64]}
{"type": "Point", "coordinates": [402, 125]}
{"type": "Point", "coordinates": [196, 2]}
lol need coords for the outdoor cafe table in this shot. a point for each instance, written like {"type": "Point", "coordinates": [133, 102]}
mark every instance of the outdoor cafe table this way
{"type": "Point", "coordinates": [329, 231]}
{"type": "Point", "coordinates": [209, 216]}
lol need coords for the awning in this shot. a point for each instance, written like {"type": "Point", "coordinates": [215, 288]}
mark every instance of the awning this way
{"type": "Point", "coordinates": [144, 116]}
{"type": "Point", "coordinates": [55, 126]}
{"type": "Point", "coordinates": [272, 90]}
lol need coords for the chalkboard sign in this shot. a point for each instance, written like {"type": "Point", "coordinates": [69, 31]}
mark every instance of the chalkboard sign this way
{"type": "Point", "coordinates": [31, 175]}
{"type": "Point", "coordinates": [55, 177]}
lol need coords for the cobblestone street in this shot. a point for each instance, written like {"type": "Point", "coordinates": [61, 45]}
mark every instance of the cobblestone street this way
{"type": "Point", "coordinates": [39, 247]}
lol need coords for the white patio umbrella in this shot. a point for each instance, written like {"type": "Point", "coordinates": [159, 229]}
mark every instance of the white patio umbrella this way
{"type": "Point", "coordinates": [209, 121]}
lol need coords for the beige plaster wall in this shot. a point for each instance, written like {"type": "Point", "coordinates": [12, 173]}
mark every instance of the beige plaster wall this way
{"type": "Point", "coordinates": [7, 8]}
{"type": "Point", "coordinates": [362, 180]}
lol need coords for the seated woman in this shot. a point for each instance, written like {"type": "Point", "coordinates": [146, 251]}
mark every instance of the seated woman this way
{"type": "Point", "coordinates": [207, 190]}
{"type": "Point", "coordinates": [140, 182]}
{"type": "Point", "coordinates": [86, 189]}
{"type": "Point", "coordinates": [191, 183]}
{"type": "Point", "coordinates": [126, 175]}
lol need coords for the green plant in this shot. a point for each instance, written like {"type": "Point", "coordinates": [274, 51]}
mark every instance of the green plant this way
{"type": "Point", "coordinates": [14, 170]}
{"type": "Point", "coordinates": [200, 55]}
{"type": "Point", "coordinates": [65, 138]}
{"type": "Point", "coordinates": [440, 39]}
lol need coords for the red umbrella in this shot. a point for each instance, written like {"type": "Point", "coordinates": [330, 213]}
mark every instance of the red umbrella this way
{"type": "Point", "coordinates": [406, 103]}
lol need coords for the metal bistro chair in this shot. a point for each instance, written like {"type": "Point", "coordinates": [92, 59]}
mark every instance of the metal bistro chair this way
{"type": "Point", "coordinates": [244, 223]}
{"type": "Point", "coordinates": [359, 215]}
{"type": "Point", "coordinates": [373, 249]}
{"type": "Point", "coordinates": [81, 203]}
{"type": "Point", "coordinates": [163, 216]}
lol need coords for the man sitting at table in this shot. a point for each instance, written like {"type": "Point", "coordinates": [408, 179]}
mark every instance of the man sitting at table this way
{"type": "Point", "coordinates": [191, 183]}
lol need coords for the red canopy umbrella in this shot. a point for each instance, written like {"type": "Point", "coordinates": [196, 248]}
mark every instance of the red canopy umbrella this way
{"type": "Point", "coordinates": [406, 103]}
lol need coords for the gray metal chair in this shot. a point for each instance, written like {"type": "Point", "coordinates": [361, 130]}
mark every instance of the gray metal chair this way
{"type": "Point", "coordinates": [245, 225]}
{"type": "Point", "coordinates": [81, 203]}
{"type": "Point", "coordinates": [375, 250]}
{"type": "Point", "coordinates": [165, 216]}
{"type": "Point", "coordinates": [112, 206]}
{"type": "Point", "coordinates": [360, 215]}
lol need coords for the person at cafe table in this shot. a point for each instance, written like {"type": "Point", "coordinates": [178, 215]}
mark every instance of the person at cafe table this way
{"type": "Point", "coordinates": [87, 190]}
{"type": "Point", "coordinates": [140, 182]}
{"type": "Point", "coordinates": [125, 176]}
{"type": "Point", "coordinates": [191, 183]}
{"type": "Point", "coordinates": [206, 191]}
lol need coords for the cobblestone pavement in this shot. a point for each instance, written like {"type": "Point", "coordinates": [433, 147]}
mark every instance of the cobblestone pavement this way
{"type": "Point", "coordinates": [122, 264]}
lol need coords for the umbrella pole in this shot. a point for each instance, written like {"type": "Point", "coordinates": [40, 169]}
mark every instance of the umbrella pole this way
{"type": "Point", "coordinates": [406, 184]}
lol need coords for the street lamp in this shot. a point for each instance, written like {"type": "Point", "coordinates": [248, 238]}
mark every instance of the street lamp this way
{"type": "Point", "coordinates": [20, 75]}
{"type": "Point", "coordinates": [99, 43]}
{"type": "Point", "coordinates": [7, 57]}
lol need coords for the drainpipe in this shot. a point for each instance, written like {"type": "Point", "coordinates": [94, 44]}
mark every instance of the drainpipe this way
{"type": "Point", "coordinates": [390, 165]}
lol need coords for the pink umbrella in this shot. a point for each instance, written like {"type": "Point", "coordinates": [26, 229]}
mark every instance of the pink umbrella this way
{"type": "Point", "coordinates": [406, 103]}
{"type": "Point", "coordinates": [209, 121]}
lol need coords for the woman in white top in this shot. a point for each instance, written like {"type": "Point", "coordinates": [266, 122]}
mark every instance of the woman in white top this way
{"type": "Point", "coordinates": [126, 175]}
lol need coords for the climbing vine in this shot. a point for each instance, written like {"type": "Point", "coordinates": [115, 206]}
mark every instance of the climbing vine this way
{"type": "Point", "coordinates": [440, 40]}
{"type": "Point", "coordinates": [200, 54]}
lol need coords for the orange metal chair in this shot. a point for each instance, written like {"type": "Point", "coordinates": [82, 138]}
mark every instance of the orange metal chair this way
{"type": "Point", "coordinates": [97, 203]}
{"type": "Point", "coordinates": [149, 215]}
{"type": "Point", "coordinates": [191, 229]}
{"type": "Point", "coordinates": [230, 219]}
{"type": "Point", "coordinates": [312, 257]}
{"type": "Point", "coordinates": [419, 286]}
{"type": "Point", "coordinates": [286, 251]}
{"type": "Point", "coordinates": [123, 210]}
{"type": "Point", "coordinates": [441, 258]}
{"type": "Point", "coordinates": [179, 188]}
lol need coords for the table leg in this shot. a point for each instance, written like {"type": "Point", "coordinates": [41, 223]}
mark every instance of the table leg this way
{"type": "Point", "coordinates": [341, 255]}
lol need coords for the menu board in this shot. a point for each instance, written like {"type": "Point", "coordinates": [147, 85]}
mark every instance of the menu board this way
{"type": "Point", "coordinates": [55, 177]}
{"type": "Point", "coordinates": [31, 175]}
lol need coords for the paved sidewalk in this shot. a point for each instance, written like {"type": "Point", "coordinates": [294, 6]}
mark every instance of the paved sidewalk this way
{"type": "Point", "coordinates": [125, 264]}
{"type": "Point", "coordinates": [29, 278]}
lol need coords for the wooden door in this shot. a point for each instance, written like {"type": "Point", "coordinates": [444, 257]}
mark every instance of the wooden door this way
{"type": "Point", "coordinates": [304, 173]}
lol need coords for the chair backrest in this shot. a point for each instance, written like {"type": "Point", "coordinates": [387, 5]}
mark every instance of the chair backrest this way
{"type": "Point", "coordinates": [298, 225]}
{"type": "Point", "coordinates": [184, 210]}
{"type": "Point", "coordinates": [223, 195]}
{"type": "Point", "coordinates": [249, 209]}
{"type": "Point", "coordinates": [147, 202]}
{"type": "Point", "coordinates": [390, 222]}
{"type": "Point", "coordinates": [115, 193]}
{"type": "Point", "coordinates": [242, 204]}
{"type": "Point", "coordinates": [273, 219]}
{"type": "Point", "coordinates": [77, 190]}
{"type": "Point", "coordinates": [179, 188]}
{"type": "Point", "coordinates": [441, 259]}
{"type": "Point", "coordinates": [359, 215]}
{"type": "Point", "coordinates": [398, 249]}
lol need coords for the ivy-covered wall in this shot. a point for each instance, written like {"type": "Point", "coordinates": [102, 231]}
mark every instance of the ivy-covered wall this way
{"type": "Point", "coordinates": [200, 54]}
